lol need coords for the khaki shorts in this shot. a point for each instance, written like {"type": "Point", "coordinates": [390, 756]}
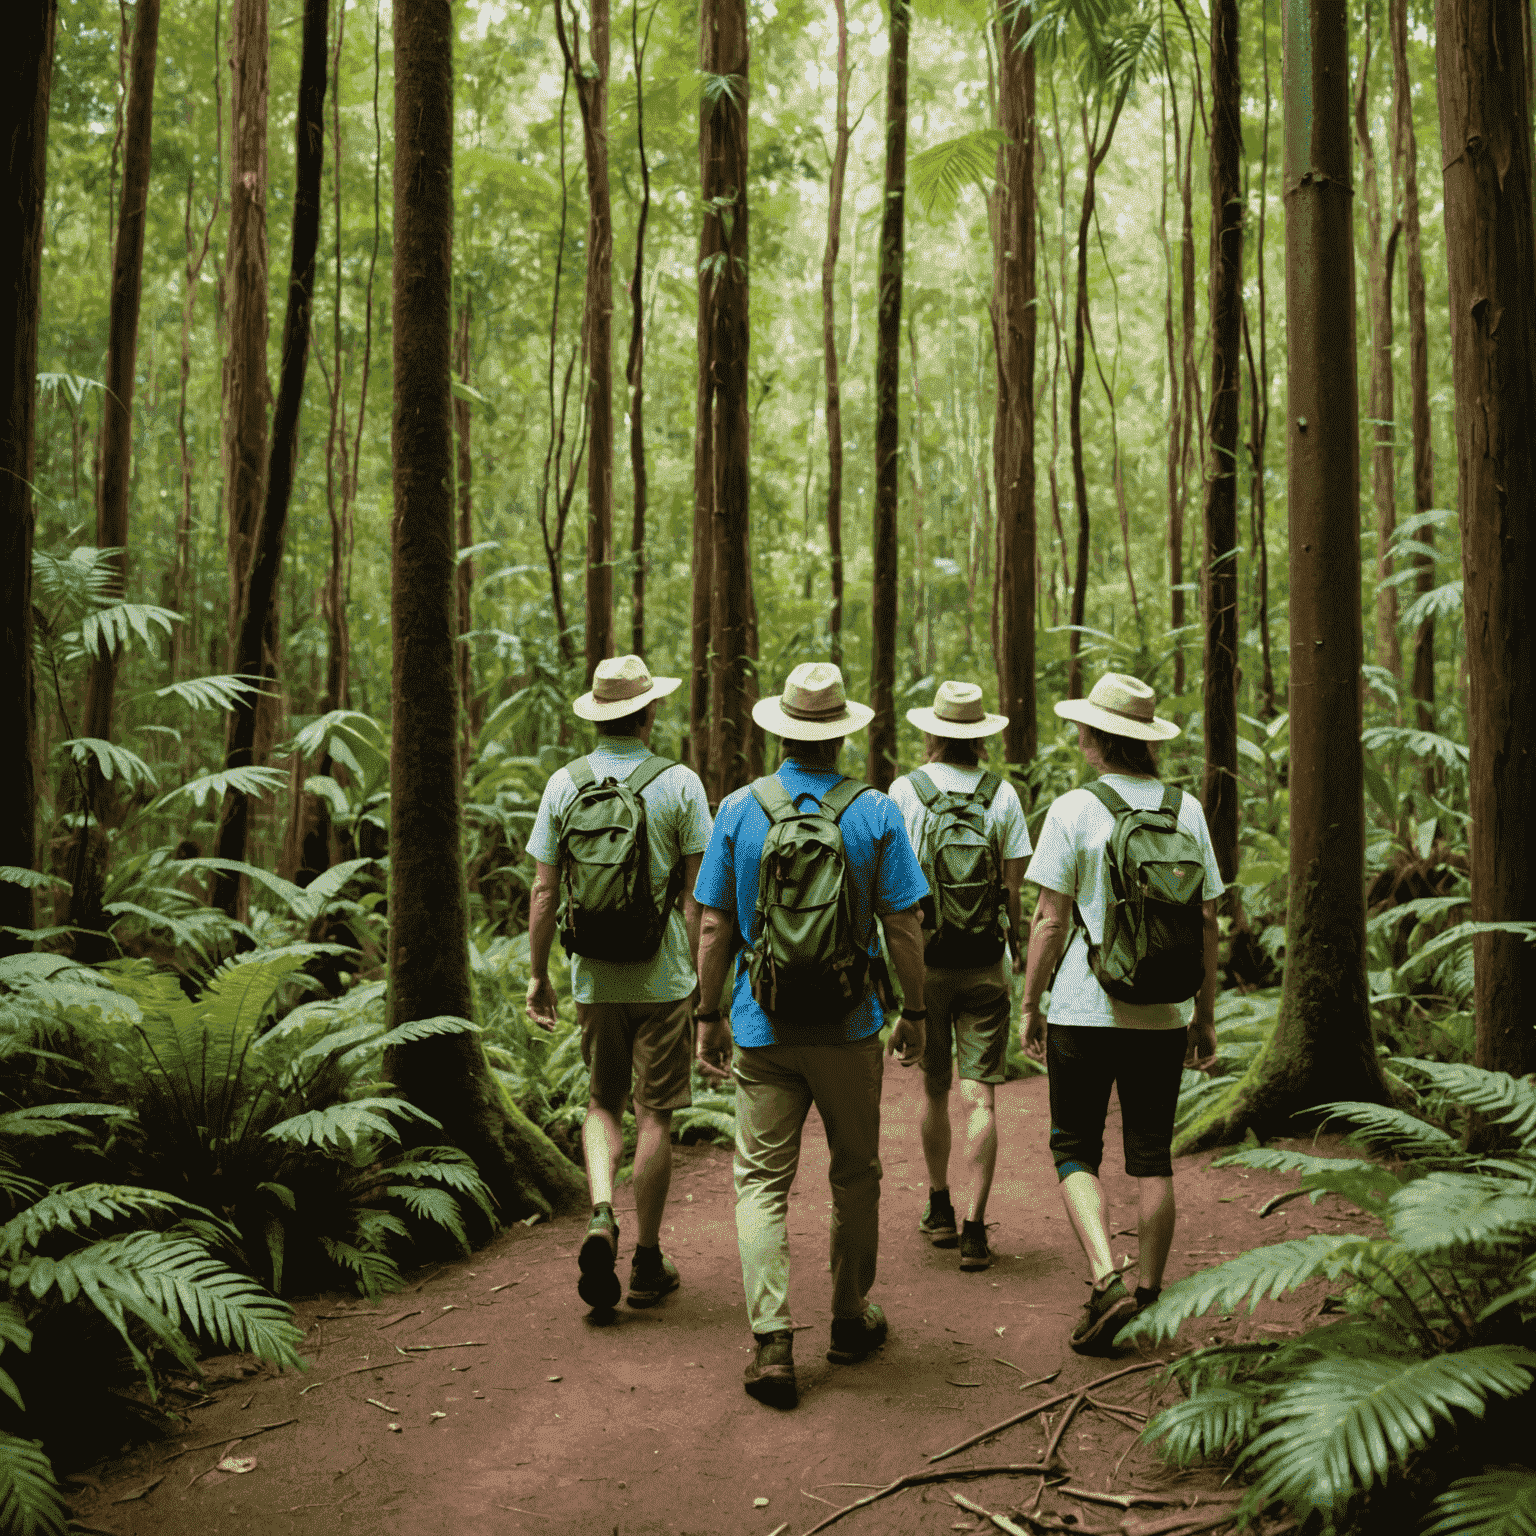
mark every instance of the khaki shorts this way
{"type": "Point", "coordinates": [969, 1012]}
{"type": "Point", "coordinates": [653, 1042]}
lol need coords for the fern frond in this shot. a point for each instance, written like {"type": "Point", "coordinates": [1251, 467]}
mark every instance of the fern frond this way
{"type": "Point", "coordinates": [1290, 1160]}
{"type": "Point", "coordinates": [51, 1119]}
{"type": "Point", "coordinates": [433, 1205]}
{"type": "Point", "coordinates": [375, 1227]}
{"type": "Point", "coordinates": [1211, 1423]}
{"type": "Point", "coordinates": [1498, 1503]}
{"type": "Point", "coordinates": [223, 692]}
{"type": "Point", "coordinates": [374, 1273]}
{"type": "Point", "coordinates": [250, 780]}
{"type": "Point", "coordinates": [1504, 1099]}
{"type": "Point", "coordinates": [30, 879]}
{"type": "Point", "coordinates": [451, 1168]}
{"type": "Point", "coordinates": [422, 1029]}
{"type": "Point", "coordinates": [718, 1122]}
{"type": "Point", "coordinates": [1403, 1134]}
{"type": "Point", "coordinates": [113, 761]}
{"type": "Point", "coordinates": [75, 1209]}
{"type": "Point", "coordinates": [347, 1123]}
{"type": "Point", "coordinates": [112, 625]}
{"type": "Point", "coordinates": [30, 1502]}
{"type": "Point", "coordinates": [1444, 1211]}
{"type": "Point", "coordinates": [325, 888]}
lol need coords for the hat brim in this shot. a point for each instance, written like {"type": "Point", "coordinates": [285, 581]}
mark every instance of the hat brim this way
{"type": "Point", "coordinates": [769, 713]}
{"type": "Point", "coordinates": [1155, 729]}
{"type": "Point", "coordinates": [589, 708]}
{"type": "Point", "coordinates": [929, 720]}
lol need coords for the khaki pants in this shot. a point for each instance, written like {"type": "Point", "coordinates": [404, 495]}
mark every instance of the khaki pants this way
{"type": "Point", "coordinates": [775, 1088]}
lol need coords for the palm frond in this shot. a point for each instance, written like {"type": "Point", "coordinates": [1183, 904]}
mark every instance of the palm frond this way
{"type": "Point", "coordinates": [1403, 1134]}
{"type": "Point", "coordinates": [111, 626]}
{"type": "Point", "coordinates": [347, 1123]}
{"type": "Point", "coordinates": [255, 781]}
{"type": "Point", "coordinates": [937, 176]}
{"type": "Point", "coordinates": [1504, 1099]}
{"type": "Point", "coordinates": [1445, 1211]}
{"type": "Point", "coordinates": [30, 1501]}
{"type": "Point", "coordinates": [1213, 1422]}
{"type": "Point", "coordinates": [222, 692]}
{"type": "Point", "coordinates": [1497, 1503]}
{"type": "Point", "coordinates": [115, 762]}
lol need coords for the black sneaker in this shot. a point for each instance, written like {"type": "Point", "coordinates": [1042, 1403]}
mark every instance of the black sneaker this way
{"type": "Point", "coordinates": [938, 1220]}
{"type": "Point", "coordinates": [855, 1338]}
{"type": "Point", "coordinates": [770, 1376]}
{"type": "Point", "coordinates": [651, 1278]}
{"type": "Point", "coordinates": [974, 1253]}
{"type": "Point", "coordinates": [599, 1286]}
{"type": "Point", "coordinates": [1108, 1309]}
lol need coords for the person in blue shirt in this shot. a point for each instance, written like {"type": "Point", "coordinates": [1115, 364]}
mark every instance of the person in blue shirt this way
{"type": "Point", "coordinates": [784, 1064]}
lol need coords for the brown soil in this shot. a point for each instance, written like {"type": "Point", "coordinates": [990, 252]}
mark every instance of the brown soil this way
{"type": "Point", "coordinates": [547, 1423]}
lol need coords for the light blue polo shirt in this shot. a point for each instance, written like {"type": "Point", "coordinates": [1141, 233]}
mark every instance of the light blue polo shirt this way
{"type": "Point", "coordinates": [884, 872]}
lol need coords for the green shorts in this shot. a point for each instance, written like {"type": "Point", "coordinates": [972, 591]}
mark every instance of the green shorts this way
{"type": "Point", "coordinates": [969, 1014]}
{"type": "Point", "coordinates": [649, 1042]}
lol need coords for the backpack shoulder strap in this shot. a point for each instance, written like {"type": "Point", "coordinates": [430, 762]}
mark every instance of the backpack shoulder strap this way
{"type": "Point", "coordinates": [1112, 802]}
{"type": "Point", "coordinates": [986, 790]}
{"type": "Point", "coordinates": [649, 770]}
{"type": "Point", "coordinates": [1173, 800]}
{"type": "Point", "coordinates": [581, 775]}
{"type": "Point", "coordinates": [773, 798]}
{"type": "Point", "coordinates": [924, 787]}
{"type": "Point", "coordinates": [841, 796]}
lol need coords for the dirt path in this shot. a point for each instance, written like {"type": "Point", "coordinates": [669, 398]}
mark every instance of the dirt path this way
{"type": "Point", "coordinates": [551, 1424]}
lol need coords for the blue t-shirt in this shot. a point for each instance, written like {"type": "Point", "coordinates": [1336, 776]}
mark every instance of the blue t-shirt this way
{"type": "Point", "coordinates": [882, 868]}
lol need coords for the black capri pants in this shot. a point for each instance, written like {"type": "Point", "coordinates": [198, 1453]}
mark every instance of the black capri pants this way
{"type": "Point", "coordinates": [1145, 1065]}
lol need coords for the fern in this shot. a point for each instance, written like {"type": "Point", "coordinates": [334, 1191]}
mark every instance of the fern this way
{"type": "Point", "coordinates": [79, 1208]}
{"type": "Point", "coordinates": [30, 1502]}
{"type": "Point", "coordinates": [1404, 1135]}
{"type": "Point", "coordinates": [348, 1123]}
{"type": "Point", "coordinates": [254, 781]}
{"type": "Point", "coordinates": [1442, 1212]}
{"type": "Point", "coordinates": [1206, 1425]}
{"type": "Point", "coordinates": [55, 1119]}
{"type": "Point", "coordinates": [110, 627]}
{"type": "Point", "coordinates": [423, 1029]}
{"type": "Point", "coordinates": [13, 1331]}
{"type": "Point", "coordinates": [375, 1272]}
{"type": "Point", "coordinates": [113, 761]}
{"type": "Point", "coordinates": [212, 693]}
{"type": "Point", "coordinates": [1501, 1503]}
{"type": "Point", "coordinates": [1504, 1099]}
{"type": "Point", "coordinates": [31, 879]}
{"type": "Point", "coordinates": [433, 1205]}
{"type": "Point", "coordinates": [448, 1166]}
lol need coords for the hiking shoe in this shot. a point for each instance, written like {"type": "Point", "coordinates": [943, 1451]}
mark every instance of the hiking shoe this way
{"type": "Point", "coordinates": [974, 1253]}
{"type": "Point", "coordinates": [650, 1279]}
{"type": "Point", "coordinates": [770, 1375]}
{"type": "Point", "coordinates": [855, 1338]}
{"type": "Point", "coordinates": [599, 1286]}
{"type": "Point", "coordinates": [938, 1220]}
{"type": "Point", "coordinates": [1109, 1308]}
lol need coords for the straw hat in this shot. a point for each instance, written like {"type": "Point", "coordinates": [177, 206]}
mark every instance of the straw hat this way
{"type": "Point", "coordinates": [812, 706]}
{"type": "Point", "coordinates": [620, 686]}
{"type": "Point", "coordinates": [1122, 706]}
{"type": "Point", "coordinates": [957, 712]}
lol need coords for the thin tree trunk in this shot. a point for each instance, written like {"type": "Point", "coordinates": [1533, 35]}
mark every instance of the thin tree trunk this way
{"type": "Point", "coordinates": [634, 368]}
{"type": "Point", "coordinates": [1482, 73]}
{"type": "Point", "coordinates": [1219, 576]}
{"type": "Point", "coordinates": [446, 1075]}
{"type": "Point", "coordinates": [918, 609]}
{"type": "Point", "coordinates": [259, 598]}
{"type": "Point", "coordinates": [829, 342]}
{"type": "Point", "coordinates": [882, 685]}
{"type": "Point", "coordinates": [1014, 307]}
{"type": "Point", "coordinates": [712, 245]}
{"type": "Point", "coordinates": [1175, 367]}
{"type": "Point", "coordinates": [87, 863]}
{"type": "Point", "coordinates": [28, 84]}
{"type": "Point", "coordinates": [1322, 1047]}
{"type": "Point", "coordinates": [464, 571]}
{"type": "Point", "coordinates": [1406, 150]}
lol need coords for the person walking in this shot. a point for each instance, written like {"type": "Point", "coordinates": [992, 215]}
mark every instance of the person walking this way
{"type": "Point", "coordinates": [1133, 1001]}
{"type": "Point", "coordinates": [967, 827]}
{"type": "Point", "coordinates": [800, 866]}
{"type": "Point", "coordinates": [617, 844]}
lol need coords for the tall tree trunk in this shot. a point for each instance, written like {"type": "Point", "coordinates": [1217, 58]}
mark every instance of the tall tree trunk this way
{"type": "Point", "coordinates": [1379, 261]}
{"type": "Point", "coordinates": [464, 571]}
{"type": "Point", "coordinates": [258, 600]}
{"type": "Point", "coordinates": [1322, 1047]}
{"type": "Point", "coordinates": [829, 343]}
{"type": "Point", "coordinates": [1219, 575]}
{"type": "Point", "coordinates": [1013, 433]}
{"type": "Point", "coordinates": [446, 1075]}
{"type": "Point", "coordinates": [597, 316]}
{"type": "Point", "coordinates": [28, 78]}
{"type": "Point", "coordinates": [87, 862]}
{"type": "Point", "coordinates": [1406, 150]}
{"type": "Point", "coordinates": [882, 608]}
{"type": "Point", "coordinates": [634, 368]}
{"type": "Point", "coordinates": [1482, 64]}
{"type": "Point", "coordinates": [725, 54]}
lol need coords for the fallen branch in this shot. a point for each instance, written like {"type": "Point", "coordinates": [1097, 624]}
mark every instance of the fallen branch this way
{"type": "Point", "coordinates": [417, 1349]}
{"type": "Point", "coordinates": [249, 1434]}
{"type": "Point", "coordinates": [357, 1370]}
{"type": "Point", "coordinates": [1125, 1500]}
{"type": "Point", "coordinates": [1029, 1413]}
{"type": "Point", "coordinates": [1061, 1429]}
{"type": "Point", "coordinates": [1184, 1521]}
{"type": "Point", "coordinates": [914, 1479]}
{"type": "Point", "coordinates": [1002, 1522]}
{"type": "Point", "coordinates": [399, 1317]}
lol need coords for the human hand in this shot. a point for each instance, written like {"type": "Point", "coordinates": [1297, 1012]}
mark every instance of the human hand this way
{"type": "Point", "coordinates": [713, 1046]}
{"type": "Point", "coordinates": [907, 1041]}
{"type": "Point", "coordinates": [1201, 1053]}
{"type": "Point", "coordinates": [1032, 1034]}
{"type": "Point", "coordinates": [540, 1004]}
{"type": "Point", "coordinates": [1018, 962]}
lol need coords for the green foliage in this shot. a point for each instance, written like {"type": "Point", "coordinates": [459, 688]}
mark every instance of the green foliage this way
{"type": "Point", "coordinates": [937, 175]}
{"type": "Point", "coordinates": [30, 1501]}
{"type": "Point", "coordinates": [1501, 1503]}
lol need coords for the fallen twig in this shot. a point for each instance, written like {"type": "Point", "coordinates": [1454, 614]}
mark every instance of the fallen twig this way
{"type": "Point", "coordinates": [331, 1317]}
{"type": "Point", "coordinates": [1125, 1500]}
{"type": "Point", "coordinates": [1002, 1522]}
{"type": "Point", "coordinates": [1029, 1413]}
{"type": "Point", "coordinates": [416, 1349]}
{"type": "Point", "coordinates": [400, 1317]}
{"type": "Point", "coordinates": [1061, 1429]}
{"type": "Point", "coordinates": [913, 1479]}
{"type": "Point", "coordinates": [1128, 1416]}
{"type": "Point", "coordinates": [377, 1404]}
{"type": "Point", "coordinates": [140, 1493]}
{"type": "Point", "coordinates": [249, 1434]}
{"type": "Point", "coordinates": [357, 1370]}
{"type": "Point", "coordinates": [1184, 1521]}
{"type": "Point", "coordinates": [512, 1508]}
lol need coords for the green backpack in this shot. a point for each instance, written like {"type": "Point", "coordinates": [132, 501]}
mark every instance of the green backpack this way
{"type": "Point", "coordinates": [806, 965]}
{"type": "Point", "coordinates": [608, 910]}
{"type": "Point", "coordinates": [966, 910]}
{"type": "Point", "coordinates": [1153, 949]}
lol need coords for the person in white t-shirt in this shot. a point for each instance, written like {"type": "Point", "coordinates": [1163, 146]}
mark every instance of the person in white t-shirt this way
{"type": "Point", "coordinates": [967, 991]}
{"type": "Point", "coordinates": [1092, 1042]}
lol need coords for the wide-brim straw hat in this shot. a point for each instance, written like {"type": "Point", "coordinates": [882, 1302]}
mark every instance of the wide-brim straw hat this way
{"type": "Point", "coordinates": [620, 686]}
{"type": "Point", "coordinates": [1121, 706]}
{"type": "Point", "coordinates": [812, 706]}
{"type": "Point", "coordinates": [957, 713]}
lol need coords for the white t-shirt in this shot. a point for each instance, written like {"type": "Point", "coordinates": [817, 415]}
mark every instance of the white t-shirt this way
{"type": "Point", "coordinates": [1005, 816]}
{"type": "Point", "coordinates": [1070, 859]}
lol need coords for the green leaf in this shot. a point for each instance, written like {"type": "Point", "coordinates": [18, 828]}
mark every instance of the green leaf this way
{"type": "Point", "coordinates": [326, 788]}
{"type": "Point", "coordinates": [223, 692]}
{"type": "Point", "coordinates": [113, 761]}
{"type": "Point", "coordinates": [471, 396]}
{"type": "Point", "coordinates": [1395, 1129]}
{"type": "Point", "coordinates": [81, 1207]}
{"type": "Point", "coordinates": [433, 1205]}
{"type": "Point", "coordinates": [1212, 1422]}
{"type": "Point", "coordinates": [1441, 1212]}
{"type": "Point", "coordinates": [347, 1123]}
{"type": "Point", "coordinates": [424, 1029]}
{"type": "Point", "coordinates": [30, 1502]}
{"type": "Point", "coordinates": [290, 894]}
{"type": "Point", "coordinates": [259, 782]}
{"type": "Point", "coordinates": [937, 176]}
{"type": "Point", "coordinates": [1440, 602]}
{"type": "Point", "coordinates": [31, 879]}
{"type": "Point", "coordinates": [1508, 1100]}
{"type": "Point", "coordinates": [1498, 1503]}
{"type": "Point", "coordinates": [113, 624]}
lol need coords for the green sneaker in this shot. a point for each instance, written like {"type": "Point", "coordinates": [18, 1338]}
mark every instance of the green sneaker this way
{"type": "Point", "coordinates": [1108, 1309]}
{"type": "Point", "coordinates": [599, 1285]}
{"type": "Point", "coordinates": [651, 1279]}
{"type": "Point", "coordinates": [938, 1220]}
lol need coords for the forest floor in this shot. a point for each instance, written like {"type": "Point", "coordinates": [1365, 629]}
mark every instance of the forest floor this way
{"type": "Point", "coordinates": [525, 1417]}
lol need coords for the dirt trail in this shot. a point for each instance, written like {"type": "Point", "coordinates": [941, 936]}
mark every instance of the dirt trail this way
{"type": "Point", "coordinates": [552, 1424]}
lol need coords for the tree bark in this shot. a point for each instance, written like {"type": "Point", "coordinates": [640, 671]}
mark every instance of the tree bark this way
{"type": "Point", "coordinates": [1013, 433]}
{"type": "Point", "coordinates": [28, 84]}
{"type": "Point", "coordinates": [464, 571]}
{"type": "Point", "coordinates": [1322, 1047]}
{"type": "Point", "coordinates": [634, 368]}
{"type": "Point", "coordinates": [86, 870]}
{"type": "Point", "coordinates": [446, 1075]}
{"type": "Point", "coordinates": [258, 600]}
{"type": "Point", "coordinates": [1482, 73]}
{"type": "Point", "coordinates": [882, 609]}
{"type": "Point", "coordinates": [829, 344]}
{"type": "Point", "coordinates": [1219, 576]}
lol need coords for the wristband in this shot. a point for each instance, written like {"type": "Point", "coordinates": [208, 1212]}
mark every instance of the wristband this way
{"type": "Point", "coordinates": [700, 1016]}
{"type": "Point", "coordinates": [917, 1015]}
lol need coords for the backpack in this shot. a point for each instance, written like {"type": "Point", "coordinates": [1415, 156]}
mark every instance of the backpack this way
{"type": "Point", "coordinates": [1153, 949]}
{"type": "Point", "coordinates": [806, 965]}
{"type": "Point", "coordinates": [967, 905]}
{"type": "Point", "coordinates": [608, 910]}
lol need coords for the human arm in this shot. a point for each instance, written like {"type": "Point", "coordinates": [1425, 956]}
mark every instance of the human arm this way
{"type": "Point", "coordinates": [713, 1035]}
{"type": "Point", "coordinates": [1048, 936]}
{"type": "Point", "coordinates": [904, 942]}
{"type": "Point", "coordinates": [1202, 1031]}
{"type": "Point", "coordinates": [692, 912]}
{"type": "Point", "coordinates": [542, 903]}
{"type": "Point", "coordinates": [1013, 880]}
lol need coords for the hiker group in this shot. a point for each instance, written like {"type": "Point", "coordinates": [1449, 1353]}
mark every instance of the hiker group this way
{"type": "Point", "coordinates": [831, 898]}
